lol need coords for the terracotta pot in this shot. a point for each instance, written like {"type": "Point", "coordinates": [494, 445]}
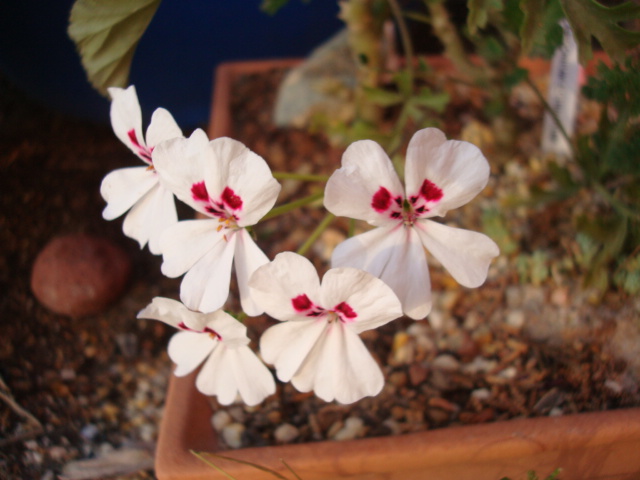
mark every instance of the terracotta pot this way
{"type": "Point", "coordinates": [587, 446]}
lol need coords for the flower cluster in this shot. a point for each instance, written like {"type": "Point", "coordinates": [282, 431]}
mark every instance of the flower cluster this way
{"type": "Point", "coordinates": [375, 277]}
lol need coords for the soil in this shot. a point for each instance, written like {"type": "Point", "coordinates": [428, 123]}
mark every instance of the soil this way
{"type": "Point", "coordinates": [83, 388]}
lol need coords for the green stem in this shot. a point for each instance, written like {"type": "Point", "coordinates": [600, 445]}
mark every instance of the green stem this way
{"type": "Point", "coordinates": [213, 465]}
{"type": "Point", "coordinates": [287, 207]}
{"type": "Point", "coordinates": [553, 114]}
{"type": "Point", "coordinates": [316, 233]}
{"type": "Point", "coordinates": [405, 37]}
{"type": "Point", "coordinates": [305, 177]}
{"type": "Point", "coordinates": [623, 209]}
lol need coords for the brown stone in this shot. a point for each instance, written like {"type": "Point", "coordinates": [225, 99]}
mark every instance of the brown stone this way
{"type": "Point", "coordinates": [79, 275]}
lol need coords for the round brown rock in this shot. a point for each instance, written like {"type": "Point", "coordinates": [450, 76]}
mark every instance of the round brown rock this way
{"type": "Point", "coordinates": [79, 275]}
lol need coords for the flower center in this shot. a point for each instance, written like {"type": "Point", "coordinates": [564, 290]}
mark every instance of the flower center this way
{"type": "Point", "coordinates": [342, 311]}
{"type": "Point", "coordinates": [209, 331]}
{"type": "Point", "coordinates": [224, 208]}
{"type": "Point", "coordinates": [407, 210]}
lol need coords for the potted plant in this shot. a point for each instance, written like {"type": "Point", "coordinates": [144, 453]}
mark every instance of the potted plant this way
{"type": "Point", "coordinates": [500, 448]}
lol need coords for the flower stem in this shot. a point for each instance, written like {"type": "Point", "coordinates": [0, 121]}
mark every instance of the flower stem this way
{"type": "Point", "coordinates": [553, 114]}
{"type": "Point", "coordinates": [405, 37]}
{"type": "Point", "coordinates": [305, 177]}
{"type": "Point", "coordinates": [316, 233]}
{"type": "Point", "coordinates": [287, 207]}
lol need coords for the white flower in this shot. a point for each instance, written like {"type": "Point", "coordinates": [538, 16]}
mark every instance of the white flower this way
{"type": "Point", "coordinates": [220, 341]}
{"type": "Point", "coordinates": [227, 182]}
{"type": "Point", "coordinates": [439, 175]}
{"type": "Point", "coordinates": [317, 346]}
{"type": "Point", "coordinates": [137, 189]}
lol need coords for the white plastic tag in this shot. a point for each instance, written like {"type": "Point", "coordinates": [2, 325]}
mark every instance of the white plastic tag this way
{"type": "Point", "coordinates": [564, 88]}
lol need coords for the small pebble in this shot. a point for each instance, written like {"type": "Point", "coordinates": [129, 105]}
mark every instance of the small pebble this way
{"type": "Point", "coordinates": [232, 434]}
{"type": "Point", "coordinates": [516, 318]}
{"type": "Point", "coordinates": [481, 394]}
{"type": "Point", "coordinates": [286, 433]}
{"type": "Point", "coordinates": [220, 419]}
{"type": "Point", "coordinates": [353, 428]}
{"type": "Point", "coordinates": [446, 362]}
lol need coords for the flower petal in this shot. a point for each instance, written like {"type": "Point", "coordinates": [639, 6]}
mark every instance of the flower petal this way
{"type": "Point", "coordinates": [201, 236]}
{"type": "Point", "coordinates": [232, 332]}
{"type": "Point", "coordinates": [465, 254]}
{"type": "Point", "coordinates": [150, 217]}
{"type": "Point", "coordinates": [122, 188]}
{"type": "Point", "coordinates": [371, 300]}
{"type": "Point", "coordinates": [287, 345]}
{"type": "Point", "coordinates": [217, 377]}
{"type": "Point", "coordinates": [188, 349]}
{"type": "Point", "coordinates": [350, 191]}
{"type": "Point", "coordinates": [253, 379]}
{"type": "Point", "coordinates": [205, 287]}
{"type": "Point", "coordinates": [126, 119]}
{"type": "Point", "coordinates": [342, 368]}
{"type": "Point", "coordinates": [249, 176]}
{"type": "Point", "coordinates": [275, 285]}
{"type": "Point", "coordinates": [182, 163]}
{"type": "Point", "coordinates": [248, 258]}
{"type": "Point", "coordinates": [457, 168]}
{"type": "Point", "coordinates": [162, 127]}
{"type": "Point", "coordinates": [395, 255]}
{"type": "Point", "coordinates": [166, 310]}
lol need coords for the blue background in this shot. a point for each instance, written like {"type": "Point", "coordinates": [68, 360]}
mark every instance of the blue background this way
{"type": "Point", "coordinates": [174, 63]}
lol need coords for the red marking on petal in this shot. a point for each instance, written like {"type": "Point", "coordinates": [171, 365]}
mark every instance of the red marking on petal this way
{"type": "Point", "coordinates": [134, 138]}
{"type": "Point", "coordinates": [231, 199]}
{"type": "Point", "coordinates": [199, 192]}
{"type": "Point", "coordinates": [345, 309]}
{"type": "Point", "coordinates": [301, 303]}
{"type": "Point", "coordinates": [144, 152]}
{"type": "Point", "coordinates": [381, 200]}
{"type": "Point", "coordinates": [430, 191]}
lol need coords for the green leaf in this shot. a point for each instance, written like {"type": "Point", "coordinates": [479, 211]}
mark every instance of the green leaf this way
{"type": "Point", "coordinates": [590, 18]}
{"type": "Point", "coordinates": [382, 97]}
{"type": "Point", "coordinates": [106, 34]}
{"type": "Point", "coordinates": [434, 101]}
{"type": "Point", "coordinates": [404, 82]}
{"type": "Point", "coordinates": [479, 11]}
{"type": "Point", "coordinates": [540, 32]}
{"type": "Point", "coordinates": [272, 6]}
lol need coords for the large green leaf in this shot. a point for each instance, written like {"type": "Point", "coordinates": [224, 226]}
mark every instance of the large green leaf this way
{"type": "Point", "coordinates": [590, 18]}
{"type": "Point", "coordinates": [540, 31]}
{"type": "Point", "coordinates": [106, 33]}
{"type": "Point", "coordinates": [479, 11]}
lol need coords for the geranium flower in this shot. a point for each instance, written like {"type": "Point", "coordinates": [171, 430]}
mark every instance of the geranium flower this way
{"type": "Point", "coordinates": [231, 185]}
{"type": "Point", "coordinates": [220, 341]}
{"type": "Point", "coordinates": [137, 189]}
{"type": "Point", "coordinates": [317, 346]}
{"type": "Point", "coordinates": [439, 175]}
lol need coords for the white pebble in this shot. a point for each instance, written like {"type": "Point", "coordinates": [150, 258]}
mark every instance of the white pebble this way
{"type": "Point", "coordinates": [352, 429]}
{"type": "Point", "coordinates": [480, 364]}
{"type": "Point", "coordinates": [516, 318]}
{"type": "Point", "coordinates": [509, 373]}
{"type": "Point", "coordinates": [446, 362]}
{"type": "Point", "coordinates": [481, 394]}
{"type": "Point", "coordinates": [220, 419]}
{"type": "Point", "coordinates": [286, 433]}
{"type": "Point", "coordinates": [232, 435]}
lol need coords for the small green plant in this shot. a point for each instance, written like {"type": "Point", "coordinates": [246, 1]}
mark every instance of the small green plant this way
{"type": "Point", "coordinates": [204, 456]}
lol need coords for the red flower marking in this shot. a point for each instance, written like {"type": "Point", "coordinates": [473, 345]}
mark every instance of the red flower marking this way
{"type": "Point", "coordinates": [381, 200]}
{"type": "Point", "coordinates": [345, 309]}
{"type": "Point", "coordinates": [231, 199]}
{"type": "Point", "coordinates": [301, 303]}
{"type": "Point", "coordinates": [199, 192]}
{"type": "Point", "coordinates": [142, 151]}
{"type": "Point", "coordinates": [430, 191]}
{"type": "Point", "coordinates": [210, 331]}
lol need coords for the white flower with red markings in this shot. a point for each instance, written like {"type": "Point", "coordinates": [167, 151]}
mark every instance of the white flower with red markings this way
{"type": "Point", "coordinates": [317, 346]}
{"type": "Point", "coordinates": [440, 175]}
{"type": "Point", "coordinates": [230, 367]}
{"type": "Point", "coordinates": [234, 187]}
{"type": "Point", "coordinates": [137, 189]}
